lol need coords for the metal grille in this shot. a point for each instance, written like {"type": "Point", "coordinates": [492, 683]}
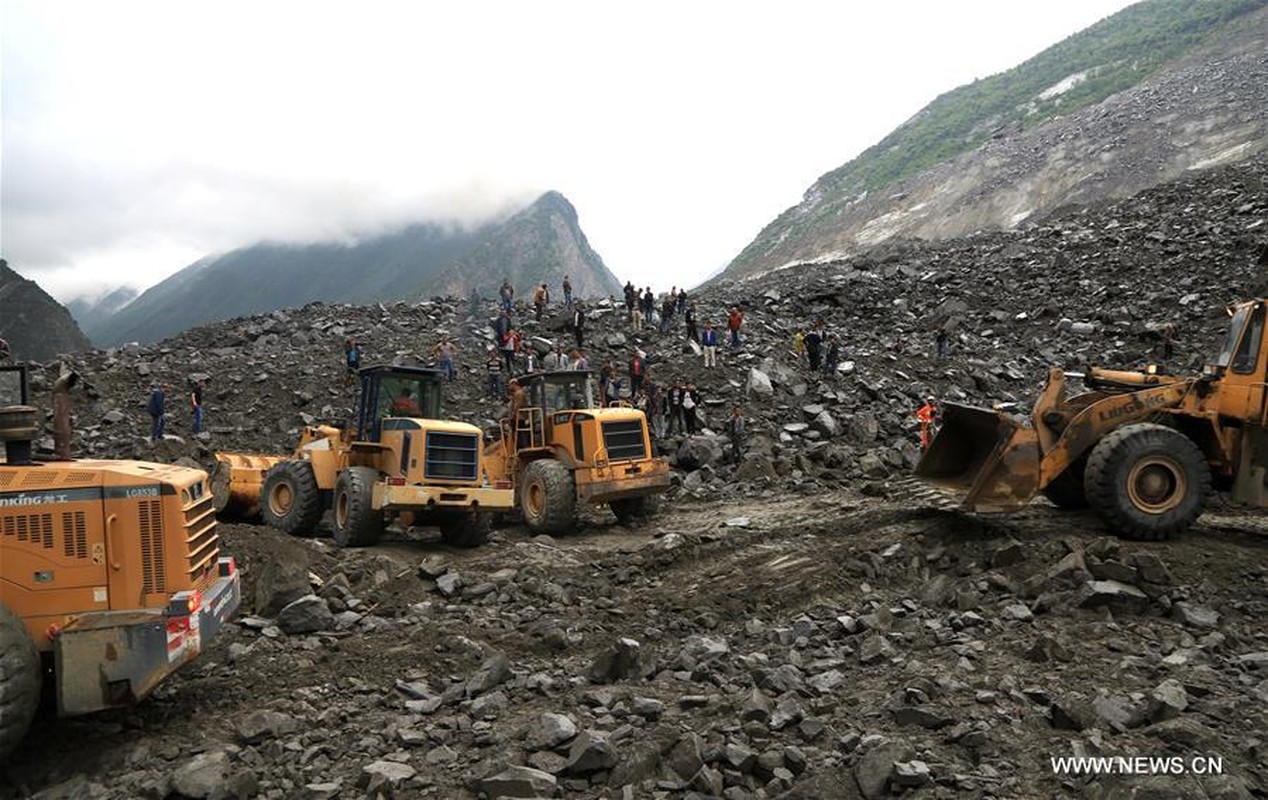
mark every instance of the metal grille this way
{"type": "Point", "coordinates": [153, 566]}
{"type": "Point", "coordinates": [201, 542]}
{"type": "Point", "coordinates": [452, 456]}
{"type": "Point", "coordinates": [74, 534]}
{"type": "Point", "coordinates": [624, 440]}
{"type": "Point", "coordinates": [38, 478]}
{"type": "Point", "coordinates": [33, 528]}
{"type": "Point", "coordinates": [6, 478]}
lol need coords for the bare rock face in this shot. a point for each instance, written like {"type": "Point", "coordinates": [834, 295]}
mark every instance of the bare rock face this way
{"type": "Point", "coordinates": [35, 325]}
{"type": "Point", "coordinates": [1018, 176]}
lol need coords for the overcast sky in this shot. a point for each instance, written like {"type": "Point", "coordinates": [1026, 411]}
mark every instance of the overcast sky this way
{"type": "Point", "coordinates": [140, 136]}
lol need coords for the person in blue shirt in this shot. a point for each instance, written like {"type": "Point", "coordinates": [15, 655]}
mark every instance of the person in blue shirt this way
{"type": "Point", "coordinates": [709, 341]}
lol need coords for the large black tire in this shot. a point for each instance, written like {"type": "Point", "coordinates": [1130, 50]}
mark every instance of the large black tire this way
{"type": "Point", "coordinates": [548, 497]}
{"type": "Point", "coordinates": [634, 509]}
{"type": "Point", "coordinates": [1066, 490]}
{"type": "Point", "coordinates": [20, 681]}
{"type": "Point", "coordinates": [289, 499]}
{"type": "Point", "coordinates": [1148, 481]}
{"type": "Point", "coordinates": [356, 523]}
{"type": "Point", "coordinates": [466, 528]}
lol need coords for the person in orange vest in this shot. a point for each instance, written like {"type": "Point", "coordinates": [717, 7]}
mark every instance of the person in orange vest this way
{"type": "Point", "coordinates": [927, 415]}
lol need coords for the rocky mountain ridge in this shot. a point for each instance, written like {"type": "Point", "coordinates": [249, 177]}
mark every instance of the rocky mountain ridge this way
{"type": "Point", "coordinates": [1208, 108]}
{"type": "Point", "coordinates": [35, 325]}
{"type": "Point", "coordinates": [542, 242]}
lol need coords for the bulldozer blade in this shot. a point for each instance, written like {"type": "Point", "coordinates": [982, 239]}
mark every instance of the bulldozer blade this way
{"type": "Point", "coordinates": [236, 482]}
{"type": "Point", "coordinates": [987, 459]}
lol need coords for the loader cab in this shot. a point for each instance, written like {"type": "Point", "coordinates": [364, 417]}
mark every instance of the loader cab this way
{"type": "Point", "coordinates": [391, 392]}
{"type": "Point", "coordinates": [1240, 366]}
{"type": "Point", "coordinates": [554, 402]}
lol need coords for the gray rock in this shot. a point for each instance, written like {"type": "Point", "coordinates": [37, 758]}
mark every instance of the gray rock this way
{"type": "Point", "coordinates": [492, 673]}
{"type": "Point", "coordinates": [391, 774]}
{"type": "Point", "coordinates": [281, 579]}
{"type": "Point", "coordinates": [825, 424]}
{"type": "Point", "coordinates": [647, 707]}
{"type": "Point", "coordinates": [264, 724]}
{"type": "Point", "coordinates": [913, 773]}
{"type": "Point", "coordinates": [1195, 616]}
{"type": "Point", "coordinates": [875, 648]}
{"type": "Point", "coordinates": [875, 769]}
{"type": "Point", "coordinates": [591, 752]}
{"type": "Point", "coordinates": [211, 776]}
{"type": "Point", "coordinates": [1151, 568]}
{"type": "Point", "coordinates": [550, 731]}
{"type": "Point", "coordinates": [1018, 612]}
{"type": "Point", "coordinates": [449, 584]}
{"type": "Point", "coordinates": [759, 383]}
{"type": "Point", "coordinates": [1114, 595]}
{"type": "Point", "coordinates": [1168, 700]}
{"type": "Point", "coordinates": [308, 614]}
{"type": "Point", "coordinates": [618, 662]}
{"type": "Point", "coordinates": [519, 782]}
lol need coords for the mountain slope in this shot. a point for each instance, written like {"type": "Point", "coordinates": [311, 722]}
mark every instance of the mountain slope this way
{"type": "Point", "coordinates": [36, 326]}
{"type": "Point", "coordinates": [92, 313]}
{"type": "Point", "coordinates": [543, 242]}
{"type": "Point", "coordinates": [1159, 88]}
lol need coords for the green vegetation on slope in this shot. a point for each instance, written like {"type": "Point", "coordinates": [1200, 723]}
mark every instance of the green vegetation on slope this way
{"type": "Point", "coordinates": [1116, 53]}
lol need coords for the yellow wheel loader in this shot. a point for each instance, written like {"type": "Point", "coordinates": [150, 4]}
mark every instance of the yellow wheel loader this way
{"type": "Point", "coordinates": [401, 459]}
{"type": "Point", "coordinates": [1143, 449]}
{"type": "Point", "coordinates": [560, 450]}
{"type": "Point", "coordinates": [111, 576]}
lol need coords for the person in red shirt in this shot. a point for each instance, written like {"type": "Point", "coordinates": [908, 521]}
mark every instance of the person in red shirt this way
{"type": "Point", "coordinates": [927, 415]}
{"type": "Point", "coordinates": [733, 323]}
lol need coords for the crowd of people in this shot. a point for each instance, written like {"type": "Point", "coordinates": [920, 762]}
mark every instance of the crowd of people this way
{"type": "Point", "coordinates": [672, 407]}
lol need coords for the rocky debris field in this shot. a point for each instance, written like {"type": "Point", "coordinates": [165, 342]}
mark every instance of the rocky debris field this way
{"type": "Point", "coordinates": [840, 647]}
{"type": "Point", "coordinates": [792, 626]}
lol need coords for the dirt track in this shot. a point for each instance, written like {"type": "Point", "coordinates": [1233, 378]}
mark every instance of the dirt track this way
{"type": "Point", "coordinates": [846, 613]}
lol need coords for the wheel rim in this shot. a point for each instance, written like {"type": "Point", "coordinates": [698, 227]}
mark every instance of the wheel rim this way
{"type": "Point", "coordinates": [536, 500]}
{"type": "Point", "coordinates": [1156, 484]}
{"type": "Point", "coordinates": [341, 510]}
{"type": "Point", "coordinates": [281, 499]}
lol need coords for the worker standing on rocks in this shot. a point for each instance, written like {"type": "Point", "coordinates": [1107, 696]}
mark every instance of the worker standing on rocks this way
{"type": "Point", "coordinates": [579, 323]}
{"type": "Point", "coordinates": [638, 366]}
{"type": "Point", "coordinates": [814, 347]}
{"type": "Point", "coordinates": [567, 293]}
{"type": "Point", "coordinates": [493, 366]}
{"type": "Point", "coordinates": [689, 317]}
{"type": "Point", "coordinates": [690, 402]}
{"type": "Point", "coordinates": [799, 345]}
{"type": "Point", "coordinates": [733, 324]}
{"type": "Point", "coordinates": [735, 429]}
{"type": "Point", "coordinates": [709, 343]}
{"type": "Point", "coordinates": [196, 404]}
{"type": "Point", "coordinates": [541, 296]}
{"type": "Point", "coordinates": [926, 416]}
{"type": "Point", "coordinates": [351, 360]}
{"type": "Point", "coordinates": [155, 408]}
{"type": "Point", "coordinates": [507, 293]}
{"type": "Point", "coordinates": [445, 350]}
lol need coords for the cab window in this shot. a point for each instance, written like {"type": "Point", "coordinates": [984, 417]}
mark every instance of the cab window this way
{"type": "Point", "coordinates": [1247, 356]}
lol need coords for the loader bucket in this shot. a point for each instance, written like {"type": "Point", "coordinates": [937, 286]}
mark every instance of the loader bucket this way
{"type": "Point", "coordinates": [236, 483]}
{"type": "Point", "coordinates": [987, 460]}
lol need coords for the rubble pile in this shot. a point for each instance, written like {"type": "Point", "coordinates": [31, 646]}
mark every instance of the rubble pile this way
{"type": "Point", "coordinates": [738, 645]}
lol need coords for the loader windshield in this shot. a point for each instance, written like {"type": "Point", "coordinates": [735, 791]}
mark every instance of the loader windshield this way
{"type": "Point", "coordinates": [565, 391]}
{"type": "Point", "coordinates": [1239, 356]}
